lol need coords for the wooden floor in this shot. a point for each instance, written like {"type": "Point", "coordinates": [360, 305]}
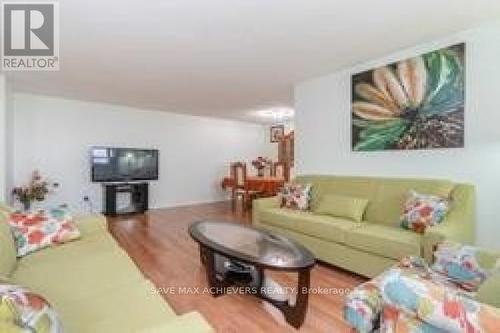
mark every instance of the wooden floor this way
{"type": "Point", "coordinates": [159, 244]}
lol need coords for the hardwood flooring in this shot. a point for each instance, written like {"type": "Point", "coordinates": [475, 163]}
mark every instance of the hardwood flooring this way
{"type": "Point", "coordinates": [159, 244]}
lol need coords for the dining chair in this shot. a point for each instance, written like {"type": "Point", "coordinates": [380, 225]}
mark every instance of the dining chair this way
{"type": "Point", "coordinates": [268, 170]}
{"type": "Point", "coordinates": [240, 186]}
{"type": "Point", "coordinates": [281, 169]}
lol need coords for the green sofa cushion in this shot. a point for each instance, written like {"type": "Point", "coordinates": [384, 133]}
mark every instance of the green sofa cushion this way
{"type": "Point", "coordinates": [389, 242]}
{"type": "Point", "coordinates": [130, 307]}
{"type": "Point", "coordinates": [84, 275]}
{"type": "Point", "coordinates": [387, 205]}
{"type": "Point", "coordinates": [386, 195]}
{"type": "Point", "coordinates": [358, 187]}
{"type": "Point", "coordinates": [320, 226]}
{"type": "Point", "coordinates": [8, 252]}
{"type": "Point", "coordinates": [95, 287]}
{"type": "Point", "coordinates": [489, 291]}
{"type": "Point", "coordinates": [344, 206]}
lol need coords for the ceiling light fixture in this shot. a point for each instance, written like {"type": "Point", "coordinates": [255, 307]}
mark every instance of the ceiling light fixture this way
{"type": "Point", "coordinates": [278, 114]}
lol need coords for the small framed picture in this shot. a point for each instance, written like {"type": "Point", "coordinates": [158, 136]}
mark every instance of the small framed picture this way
{"type": "Point", "coordinates": [277, 132]}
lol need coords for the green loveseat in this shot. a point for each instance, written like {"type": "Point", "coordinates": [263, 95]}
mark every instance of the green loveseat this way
{"type": "Point", "coordinates": [93, 285]}
{"type": "Point", "coordinates": [378, 242]}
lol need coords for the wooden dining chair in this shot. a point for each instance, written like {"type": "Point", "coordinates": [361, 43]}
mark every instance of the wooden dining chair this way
{"type": "Point", "coordinates": [240, 186]}
{"type": "Point", "coordinates": [281, 169]}
{"type": "Point", "coordinates": [268, 170]}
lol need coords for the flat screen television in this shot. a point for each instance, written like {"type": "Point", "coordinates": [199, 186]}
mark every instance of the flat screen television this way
{"type": "Point", "coordinates": [110, 164]}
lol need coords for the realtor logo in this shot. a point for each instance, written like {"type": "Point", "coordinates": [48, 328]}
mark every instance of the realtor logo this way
{"type": "Point", "coordinates": [30, 36]}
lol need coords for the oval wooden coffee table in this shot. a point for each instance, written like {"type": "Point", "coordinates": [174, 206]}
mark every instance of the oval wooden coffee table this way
{"type": "Point", "coordinates": [238, 255]}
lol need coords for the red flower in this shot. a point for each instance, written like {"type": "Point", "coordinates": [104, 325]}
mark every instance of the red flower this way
{"type": "Point", "coordinates": [35, 301]}
{"type": "Point", "coordinates": [390, 313]}
{"type": "Point", "coordinates": [35, 237]}
{"type": "Point", "coordinates": [426, 211]}
{"type": "Point", "coordinates": [36, 219]}
{"type": "Point", "coordinates": [452, 308]}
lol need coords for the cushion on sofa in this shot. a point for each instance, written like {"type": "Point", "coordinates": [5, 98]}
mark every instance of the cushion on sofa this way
{"type": "Point", "coordinates": [468, 266]}
{"type": "Point", "coordinates": [344, 206]}
{"type": "Point", "coordinates": [93, 272]}
{"type": "Point", "coordinates": [385, 241]}
{"type": "Point", "coordinates": [357, 187]}
{"type": "Point", "coordinates": [95, 286]}
{"type": "Point", "coordinates": [139, 308]}
{"type": "Point", "coordinates": [296, 196]}
{"type": "Point", "coordinates": [385, 207]}
{"type": "Point", "coordinates": [8, 250]}
{"type": "Point", "coordinates": [27, 311]}
{"type": "Point", "coordinates": [421, 211]}
{"type": "Point", "coordinates": [320, 226]}
{"type": "Point", "coordinates": [35, 231]}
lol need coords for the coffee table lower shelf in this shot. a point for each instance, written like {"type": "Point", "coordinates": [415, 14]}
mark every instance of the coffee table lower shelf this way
{"type": "Point", "coordinates": [294, 312]}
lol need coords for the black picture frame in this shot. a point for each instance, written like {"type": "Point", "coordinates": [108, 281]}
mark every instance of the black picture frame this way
{"type": "Point", "coordinates": [276, 133]}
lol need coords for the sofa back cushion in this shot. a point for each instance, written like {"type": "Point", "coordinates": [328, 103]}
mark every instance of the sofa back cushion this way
{"type": "Point", "coordinates": [385, 196]}
{"type": "Point", "coordinates": [357, 187]}
{"type": "Point", "coordinates": [344, 206]}
{"type": "Point", "coordinates": [8, 251]}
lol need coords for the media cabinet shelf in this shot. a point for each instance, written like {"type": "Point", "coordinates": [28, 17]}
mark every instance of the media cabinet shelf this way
{"type": "Point", "coordinates": [139, 197]}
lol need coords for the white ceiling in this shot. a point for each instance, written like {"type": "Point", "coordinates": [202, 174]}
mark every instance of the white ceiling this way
{"type": "Point", "coordinates": [225, 58]}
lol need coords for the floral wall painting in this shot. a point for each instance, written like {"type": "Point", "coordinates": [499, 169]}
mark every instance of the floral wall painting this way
{"type": "Point", "coordinates": [417, 103]}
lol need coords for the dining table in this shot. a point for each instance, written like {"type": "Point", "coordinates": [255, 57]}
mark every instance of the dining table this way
{"type": "Point", "coordinates": [269, 185]}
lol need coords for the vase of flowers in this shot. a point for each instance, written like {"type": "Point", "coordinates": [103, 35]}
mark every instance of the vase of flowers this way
{"type": "Point", "coordinates": [37, 190]}
{"type": "Point", "coordinates": [260, 164]}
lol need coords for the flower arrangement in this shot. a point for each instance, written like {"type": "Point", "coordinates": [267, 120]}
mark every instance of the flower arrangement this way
{"type": "Point", "coordinates": [37, 189]}
{"type": "Point", "coordinates": [260, 164]}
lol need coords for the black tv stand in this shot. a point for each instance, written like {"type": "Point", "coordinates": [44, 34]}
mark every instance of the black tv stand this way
{"type": "Point", "coordinates": [138, 193]}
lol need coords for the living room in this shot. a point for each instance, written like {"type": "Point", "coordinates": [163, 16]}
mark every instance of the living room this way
{"type": "Point", "coordinates": [226, 166]}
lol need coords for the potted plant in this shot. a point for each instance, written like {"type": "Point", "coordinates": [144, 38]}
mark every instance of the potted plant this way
{"type": "Point", "coordinates": [37, 190]}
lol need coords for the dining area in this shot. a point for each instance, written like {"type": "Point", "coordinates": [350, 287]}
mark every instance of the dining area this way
{"type": "Point", "coordinates": [260, 178]}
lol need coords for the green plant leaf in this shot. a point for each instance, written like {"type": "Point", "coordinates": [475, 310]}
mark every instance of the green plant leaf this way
{"type": "Point", "coordinates": [379, 137]}
{"type": "Point", "coordinates": [446, 73]}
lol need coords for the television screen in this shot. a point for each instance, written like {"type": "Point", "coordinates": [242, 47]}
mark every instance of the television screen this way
{"type": "Point", "coordinates": [123, 164]}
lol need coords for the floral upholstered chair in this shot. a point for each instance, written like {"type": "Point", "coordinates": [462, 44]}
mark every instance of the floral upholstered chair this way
{"type": "Point", "coordinates": [446, 297]}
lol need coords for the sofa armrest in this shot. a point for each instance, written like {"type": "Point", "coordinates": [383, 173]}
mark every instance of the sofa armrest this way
{"type": "Point", "coordinates": [191, 322]}
{"type": "Point", "coordinates": [262, 204]}
{"type": "Point", "coordinates": [459, 224]}
{"type": "Point", "coordinates": [91, 224]}
{"type": "Point", "coordinates": [489, 291]}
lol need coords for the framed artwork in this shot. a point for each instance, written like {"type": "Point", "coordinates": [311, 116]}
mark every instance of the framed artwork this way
{"type": "Point", "coordinates": [417, 103]}
{"type": "Point", "coordinates": [277, 132]}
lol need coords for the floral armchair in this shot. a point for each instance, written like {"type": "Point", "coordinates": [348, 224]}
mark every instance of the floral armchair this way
{"type": "Point", "coordinates": [415, 298]}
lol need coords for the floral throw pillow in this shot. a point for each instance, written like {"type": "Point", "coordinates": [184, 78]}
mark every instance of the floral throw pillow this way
{"type": "Point", "coordinates": [422, 211]}
{"type": "Point", "coordinates": [296, 196]}
{"type": "Point", "coordinates": [26, 312]}
{"type": "Point", "coordinates": [35, 231]}
{"type": "Point", "coordinates": [460, 264]}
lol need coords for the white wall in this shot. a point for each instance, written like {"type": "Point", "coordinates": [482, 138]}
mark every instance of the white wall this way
{"type": "Point", "coordinates": [9, 141]}
{"type": "Point", "coordinates": [3, 136]}
{"type": "Point", "coordinates": [53, 135]}
{"type": "Point", "coordinates": [323, 129]}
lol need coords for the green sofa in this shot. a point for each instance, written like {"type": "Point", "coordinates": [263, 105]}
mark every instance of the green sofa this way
{"type": "Point", "coordinates": [93, 285]}
{"type": "Point", "coordinates": [378, 242]}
